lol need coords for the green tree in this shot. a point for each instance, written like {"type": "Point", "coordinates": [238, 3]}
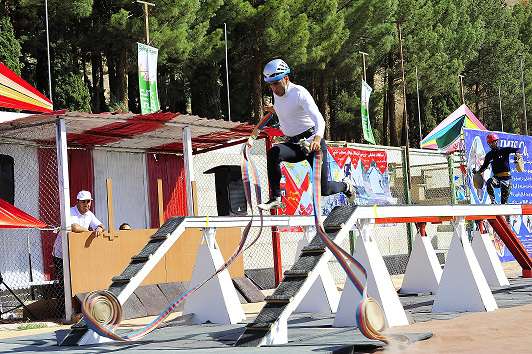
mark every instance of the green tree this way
{"type": "Point", "coordinates": [497, 63]}
{"type": "Point", "coordinates": [10, 49]}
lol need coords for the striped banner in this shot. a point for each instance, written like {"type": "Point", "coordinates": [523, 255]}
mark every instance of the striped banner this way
{"type": "Point", "coordinates": [16, 93]}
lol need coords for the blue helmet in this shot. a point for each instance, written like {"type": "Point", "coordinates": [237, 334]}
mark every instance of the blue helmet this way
{"type": "Point", "coordinates": [275, 70]}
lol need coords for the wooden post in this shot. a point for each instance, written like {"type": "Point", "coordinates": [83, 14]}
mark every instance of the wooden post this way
{"type": "Point", "coordinates": [110, 210]}
{"type": "Point", "coordinates": [160, 201]}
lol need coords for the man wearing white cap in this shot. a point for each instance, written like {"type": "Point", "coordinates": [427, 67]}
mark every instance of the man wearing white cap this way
{"type": "Point", "coordinates": [81, 219]}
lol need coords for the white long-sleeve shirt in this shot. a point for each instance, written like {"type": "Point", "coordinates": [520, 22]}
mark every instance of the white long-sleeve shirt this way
{"type": "Point", "coordinates": [298, 112]}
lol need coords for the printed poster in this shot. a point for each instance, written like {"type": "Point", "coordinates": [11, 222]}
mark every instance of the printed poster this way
{"type": "Point", "coordinates": [368, 169]}
{"type": "Point", "coordinates": [521, 192]}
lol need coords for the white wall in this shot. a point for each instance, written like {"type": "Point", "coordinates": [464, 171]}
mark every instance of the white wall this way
{"type": "Point", "coordinates": [130, 193]}
{"type": "Point", "coordinates": [15, 244]}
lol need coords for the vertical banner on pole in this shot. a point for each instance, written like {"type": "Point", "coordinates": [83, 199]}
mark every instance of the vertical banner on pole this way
{"type": "Point", "coordinates": [364, 109]}
{"type": "Point", "coordinates": [147, 65]}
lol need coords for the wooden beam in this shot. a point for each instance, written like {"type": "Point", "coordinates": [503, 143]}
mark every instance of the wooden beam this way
{"type": "Point", "coordinates": [110, 210]}
{"type": "Point", "coordinates": [160, 201]}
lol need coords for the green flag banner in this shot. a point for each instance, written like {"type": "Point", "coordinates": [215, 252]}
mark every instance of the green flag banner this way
{"type": "Point", "coordinates": [147, 62]}
{"type": "Point", "coordinates": [364, 108]}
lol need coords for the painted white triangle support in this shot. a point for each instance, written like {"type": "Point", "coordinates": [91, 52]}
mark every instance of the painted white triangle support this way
{"type": "Point", "coordinates": [488, 259]}
{"type": "Point", "coordinates": [380, 286]}
{"type": "Point", "coordinates": [217, 301]}
{"type": "Point", "coordinates": [323, 296]}
{"type": "Point", "coordinates": [463, 287]}
{"type": "Point", "coordinates": [423, 271]}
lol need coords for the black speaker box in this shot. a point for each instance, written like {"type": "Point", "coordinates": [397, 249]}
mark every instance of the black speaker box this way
{"type": "Point", "coordinates": [230, 195]}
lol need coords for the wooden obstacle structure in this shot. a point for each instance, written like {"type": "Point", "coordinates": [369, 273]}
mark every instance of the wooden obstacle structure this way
{"type": "Point", "coordinates": [462, 269]}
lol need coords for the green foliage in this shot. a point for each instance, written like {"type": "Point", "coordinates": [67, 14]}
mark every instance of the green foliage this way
{"type": "Point", "coordinates": [71, 93]}
{"type": "Point", "coordinates": [9, 46]}
{"type": "Point", "coordinates": [93, 40]}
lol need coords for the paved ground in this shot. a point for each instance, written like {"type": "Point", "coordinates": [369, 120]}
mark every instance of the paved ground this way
{"type": "Point", "coordinates": [501, 331]}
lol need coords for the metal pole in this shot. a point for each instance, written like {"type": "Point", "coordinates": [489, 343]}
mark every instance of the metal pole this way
{"type": "Point", "coordinates": [48, 51]}
{"type": "Point", "coordinates": [276, 239]}
{"type": "Point", "coordinates": [189, 171]}
{"type": "Point", "coordinates": [146, 16]}
{"type": "Point", "coordinates": [227, 74]}
{"type": "Point", "coordinates": [406, 165]}
{"type": "Point", "coordinates": [418, 109]}
{"type": "Point", "coordinates": [462, 87]}
{"type": "Point", "coordinates": [500, 108]}
{"type": "Point", "coordinates": [364, 63]}
{"type": "Point", "coordinates": [64, 208]}
{"type": "Point", "coordinates": [524, 99]}
{"type": "Point", "coordinates": [147, 24]}
{"type": "Point", "coordinates": [452, 185]}
{"type": "Point", "coordinates": [405, 114]}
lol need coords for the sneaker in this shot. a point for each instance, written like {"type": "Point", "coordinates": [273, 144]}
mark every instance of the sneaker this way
{"type": "Point", "coordinates": [271, 204]}
{"type": "Point", "coordinates": [350, 192]}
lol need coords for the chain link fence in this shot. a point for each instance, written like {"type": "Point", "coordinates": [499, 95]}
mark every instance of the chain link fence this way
{"type": "Point", "coordinates": [435, 179]}
{"type": "Point", "coordinates": [29, 181]}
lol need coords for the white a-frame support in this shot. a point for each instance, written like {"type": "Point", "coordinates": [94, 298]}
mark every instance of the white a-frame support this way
{"type": "Point", "coordinates": [323, 296]}
{"type": "Point", "coordinates": [423, 271]}
{"type": "Point", "coordinates": [217, 301]}
{"type": "Point", "coordinates": [380, 286]}
{"type": "Point", "coordinates": [463, 287]}
{"type": "Point", "coordinates": [488, 259]}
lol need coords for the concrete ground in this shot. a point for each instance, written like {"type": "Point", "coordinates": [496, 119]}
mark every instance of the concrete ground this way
{"type": "Point", "coordinates": [501, 331]}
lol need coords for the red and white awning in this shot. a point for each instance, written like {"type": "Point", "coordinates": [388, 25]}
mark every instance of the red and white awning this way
{"type": "Point", "coordinates": [159, 132]}
{"type": "Point", "coordinates": [12, 217]}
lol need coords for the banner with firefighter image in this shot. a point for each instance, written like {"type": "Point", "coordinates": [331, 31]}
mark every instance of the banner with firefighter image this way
{"type": "Point", "coordinates": [368, 169]}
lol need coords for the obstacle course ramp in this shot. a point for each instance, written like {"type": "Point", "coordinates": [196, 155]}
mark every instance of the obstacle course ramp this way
{"type": "Point", "coordinates": [269, 326]}
{"type": "Point", "coordinates": [124, 285]}
{"type": "Point", "coordinates": [510, 239]}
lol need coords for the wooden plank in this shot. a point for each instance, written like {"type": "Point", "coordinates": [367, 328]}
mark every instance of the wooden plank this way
{"type": "Point", "coordinates": [110, 210]}
{"type": "Point", "coordinates": [160, 201]}
{"type": "Point", "coordinates": [94, 261]}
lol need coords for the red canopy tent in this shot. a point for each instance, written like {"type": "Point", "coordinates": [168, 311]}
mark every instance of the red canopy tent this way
{"type": "Point", "coordinates": [12, 217]}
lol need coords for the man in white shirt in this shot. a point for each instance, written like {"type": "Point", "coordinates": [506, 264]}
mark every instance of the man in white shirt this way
{"type": "Point", "coordinates": [299, 118]}
{"type": "Point", "coordinates": [82, 219]}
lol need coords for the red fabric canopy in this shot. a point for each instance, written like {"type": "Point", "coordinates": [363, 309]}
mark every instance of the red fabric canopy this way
{"type": "Point", "coordinates": [11, 217]}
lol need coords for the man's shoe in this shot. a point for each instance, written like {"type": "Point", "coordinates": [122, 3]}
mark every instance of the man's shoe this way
{"type": "Point", "coordinates": [350, 192]}
{"type": "Point", "coordinates": [271, 204]}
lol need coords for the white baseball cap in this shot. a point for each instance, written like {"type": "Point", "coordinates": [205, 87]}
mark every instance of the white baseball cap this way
{"type": "Point", "coordinates": [84, 195]}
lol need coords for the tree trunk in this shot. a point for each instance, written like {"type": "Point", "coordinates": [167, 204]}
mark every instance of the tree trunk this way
{"type": "Point", "coordinates": [121, 76]}
{"type": "Point", "coordinates": [385, 113]}
{"type": "Point", "coordinates": [134, 94]}
{"type": "Point", "coordinates": [97, 94]}
{"type": "Point", "coordinates": [256, 94]}
{"type": "Point", "coordinates": [323, 103]}
{"type": "Point", "coordinates": [205, 91]}
{"type": "Point", "coordinates": [390, 92]}
{"type": "Point", "coordinates": [117, 63]}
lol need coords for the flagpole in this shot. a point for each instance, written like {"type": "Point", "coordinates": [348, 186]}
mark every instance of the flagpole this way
{"type": "Point", "coordinates": [227, 74]}
{"type": "Point", "coordinates": [418, 109]}
{"type": "Point", "coordinates": [405, 114]}
{"type": "Point", "coordinates": [524, 99]}
{"type": "Point", "coordinates": [461, 77]}
{"type": "Point", "coordinates": [364, 78]}
{"type": "Point", "coordinates": [48, 51]}
{"type": "Point", "coordinates": [500, 108]}
{"type": "Point", "coordinates": [364, 63]}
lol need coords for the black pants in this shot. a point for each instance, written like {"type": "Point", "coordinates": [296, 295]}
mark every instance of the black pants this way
{"type": "Point", "coordinates": [505, 184]}
{"type": "Point", "coordinates": [291, 152]}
